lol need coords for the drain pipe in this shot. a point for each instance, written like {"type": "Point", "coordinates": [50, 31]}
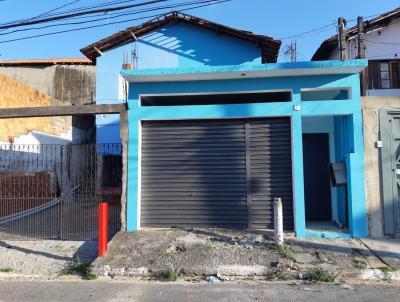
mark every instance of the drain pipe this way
{"type": "Point", "coordinates": [278, 221]}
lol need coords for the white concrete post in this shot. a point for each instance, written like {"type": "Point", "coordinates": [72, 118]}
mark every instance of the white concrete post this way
{"type": "Point", "coordinates": [278, 221]}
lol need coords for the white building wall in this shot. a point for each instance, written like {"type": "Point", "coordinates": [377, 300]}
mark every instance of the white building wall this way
{"type": "Point", "coordinates": [381, 44]}
{"type": "Point", "coordinates": [38, 151]}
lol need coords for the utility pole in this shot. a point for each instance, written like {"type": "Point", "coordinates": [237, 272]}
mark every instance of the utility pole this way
{"type": "Point", "coordinates": [361, 53]}
{"type": "Point", "coordinates": [361, 38]}
{"type": "Point", "coordinates": [342, 38]}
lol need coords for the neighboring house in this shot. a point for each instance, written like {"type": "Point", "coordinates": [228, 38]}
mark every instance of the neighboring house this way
{"type": "Point", "coordinates": [174, 40]}
{"type": "Point", "coordinates": [382, 40]}
{"type": "Point", "coordinates": [381, 116]}
{"type": "Point", "coordinates": [43, 156]}
{"type": "Point", "coordinates": [47, 82]}
{"type": "Point", "coordinates": [215, 134]}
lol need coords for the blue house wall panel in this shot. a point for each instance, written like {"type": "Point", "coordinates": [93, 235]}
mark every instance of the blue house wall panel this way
{"type": "Point", "coordinates": [174, 46]}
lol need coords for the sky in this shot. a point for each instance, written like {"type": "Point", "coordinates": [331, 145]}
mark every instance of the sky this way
{"type": "Point", "coordinates": [279, 19]}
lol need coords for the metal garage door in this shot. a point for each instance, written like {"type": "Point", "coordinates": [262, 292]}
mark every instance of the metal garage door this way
{"type": "Point", "coordinates": [222, 173]}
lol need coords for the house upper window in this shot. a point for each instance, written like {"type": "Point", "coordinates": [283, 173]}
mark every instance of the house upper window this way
{"type": "Point", "coordinates": [325, 94]}
{"type": "Point", "coordinates": [384, 74]}
{"type": "Point", "coordinates": [186, 99]}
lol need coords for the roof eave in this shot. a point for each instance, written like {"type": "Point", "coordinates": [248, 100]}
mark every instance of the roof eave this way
{"type": "Point", "coordinates": [244, 71]}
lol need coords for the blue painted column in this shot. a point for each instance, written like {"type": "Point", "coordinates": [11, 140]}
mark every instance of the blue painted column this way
{"type": "Point", "coordinates": [132, 207]}
{"type": "Point", "coordinates": [355, 168]}
{"type": "Point", "coordinates": [298, 174]}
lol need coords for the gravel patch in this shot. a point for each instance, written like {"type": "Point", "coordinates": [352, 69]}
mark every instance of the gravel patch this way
{"type": "Point", "coordinates": [211, 252]}
{"type": "Point", "coordinates": [43, 259]}
{"type": "Point", "coordinates": [192, 252]}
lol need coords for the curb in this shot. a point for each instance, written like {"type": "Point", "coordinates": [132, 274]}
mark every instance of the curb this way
{"type": "Point", "coordinates": [378, 275]}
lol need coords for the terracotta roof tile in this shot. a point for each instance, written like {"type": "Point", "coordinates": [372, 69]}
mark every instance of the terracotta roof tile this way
{"type": "Point", "coordinates": [84, 61]}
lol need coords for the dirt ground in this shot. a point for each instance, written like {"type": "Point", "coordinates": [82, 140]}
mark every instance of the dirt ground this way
{"type": "Point", "coordinates": [189, 253]}
{"type": "Point", "coordinates": [42, 259]}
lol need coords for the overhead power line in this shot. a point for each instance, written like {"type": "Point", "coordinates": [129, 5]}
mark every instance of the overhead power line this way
{"type": "Point", "coordinates": [82, 17]}
{"type": "Point", "coordinates": [107, 17]}
{"type": "Point", "coordinates": [43, 14]}
{"type": "Point", "coordinates": [104, 10]}
{"type": "Point", "coordinates": [83, 8]}
{"type": "Point", "coordinates": [318, 29]}
{"type": "Point", "coordinates": [395, 54]}
{"type": "Point", "coordinates": [210, 2]}
{"type": "Point", "coordinates": [56, 9]}
{"type": "Point", "coordinates": [382, 42]}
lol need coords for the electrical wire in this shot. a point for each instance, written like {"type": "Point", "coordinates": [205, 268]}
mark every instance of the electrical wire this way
{"type": "Point", "coordinates": [183, 4]}
{"type": "Point", "coordinates": [52, 10]}
{"type": "Point", "coordinates": [87, 16]}
{"type": "Point", "coordinates": [83, 8]}
{"type": "Point", "coordinates": [325, 27]}
{"type": "Point", "coordinates": [43, 14]}
{"type": "Point", "coordinates": [37, 21]}
{"type": "Point", "coordinates": [384, 55]}
{"type": "Point", "coordinates": [53, 13]}
{"type": "Point", "coordinates": [214, 2]}
{"type": "Point", "coordinates": [56, 9]}
{"type": "Point", "coordinates": [386, 43]}
{"type": "Point", "coordinates": [321, 29]}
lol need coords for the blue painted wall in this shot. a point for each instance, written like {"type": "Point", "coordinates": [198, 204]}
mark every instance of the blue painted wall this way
{"type": "Point", "coordinates": [174, 46]}
{"type": "Point", "coordinates": [343, 108]}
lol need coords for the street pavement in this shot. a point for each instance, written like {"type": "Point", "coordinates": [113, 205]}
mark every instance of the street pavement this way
{"type": "Point", "coordinates": [100, 291]}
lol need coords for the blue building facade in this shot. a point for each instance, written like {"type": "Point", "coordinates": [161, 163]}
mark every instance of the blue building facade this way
{"type": "Point", "coordinates": [340, 118]}
{"type": "Point", "coordinates": [199, 73]}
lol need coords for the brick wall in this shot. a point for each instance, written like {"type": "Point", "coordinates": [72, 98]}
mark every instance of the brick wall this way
{"type": "Point", "coordinates": [16, 94]}
{"type": "Point", "coordinates": [20, 191]}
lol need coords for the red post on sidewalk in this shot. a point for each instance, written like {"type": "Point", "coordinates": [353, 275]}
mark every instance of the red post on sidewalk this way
{"type": "Point", "coordinates": [103, 228]}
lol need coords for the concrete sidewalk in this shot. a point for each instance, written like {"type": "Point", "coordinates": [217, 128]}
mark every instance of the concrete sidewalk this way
{"type": "Point", "coordinates": [195, 253]}
{"type": "Point", "coordinates": [387, 250]}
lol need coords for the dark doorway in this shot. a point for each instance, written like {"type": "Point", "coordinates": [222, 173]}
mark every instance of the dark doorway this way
{"type": "Point", "coordinates": [317, 189]}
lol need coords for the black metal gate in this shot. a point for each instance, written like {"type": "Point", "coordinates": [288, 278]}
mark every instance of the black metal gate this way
{"type": "Point", "coordinates": [52, 191]}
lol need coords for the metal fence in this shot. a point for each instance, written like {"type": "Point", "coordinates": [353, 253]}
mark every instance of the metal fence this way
{"type": "Point", "coordinates": [52, 191]}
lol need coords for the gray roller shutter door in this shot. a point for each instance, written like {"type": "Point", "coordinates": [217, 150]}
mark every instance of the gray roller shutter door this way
{"type": "Point", "coordinates": [269, 149]}
{"type": "Point", "coordinates": [222, 173]}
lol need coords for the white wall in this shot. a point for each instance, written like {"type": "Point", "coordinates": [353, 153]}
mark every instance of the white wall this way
{"type": "Point", "coordinates": [75, 135]}
{"type": "Point", "coordinates": [37, 151]}
{"type": "Point", "coordinates": [377, 47]}
{"type": "Point", "coordinates": [376, 43]}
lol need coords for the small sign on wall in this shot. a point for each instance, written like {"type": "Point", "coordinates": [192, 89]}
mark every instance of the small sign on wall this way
{"type": "Point", "coordinates": [338, 174]}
